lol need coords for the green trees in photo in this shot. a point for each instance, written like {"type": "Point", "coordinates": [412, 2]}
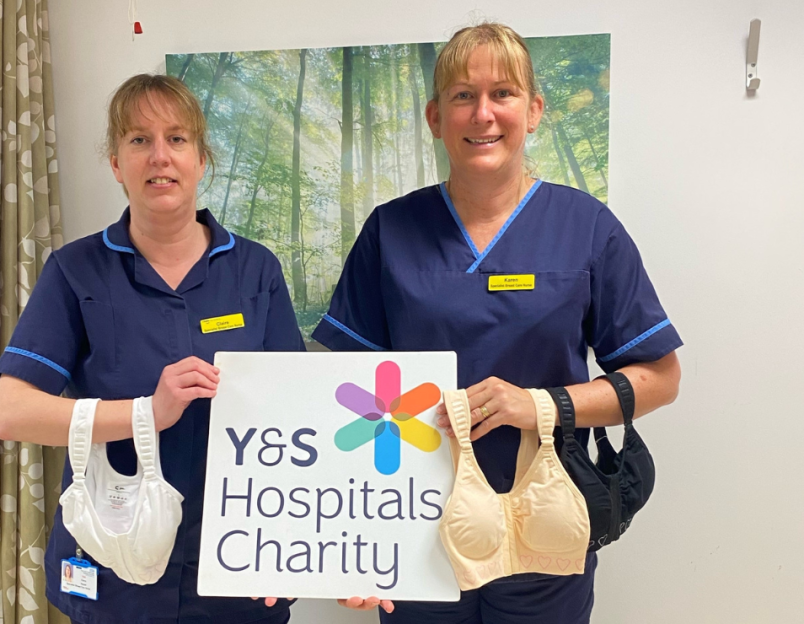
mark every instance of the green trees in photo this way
{"type": "Point", "coordinates": [427, 58]}
{"type": "Point", "coordinates": [307, 142]}
{"type": "Point", "coordinates": [572, 74]}
{"type": "Point", "coordinates": [347, 164]}
{"type": "Point", "coordinates": [297, 269]}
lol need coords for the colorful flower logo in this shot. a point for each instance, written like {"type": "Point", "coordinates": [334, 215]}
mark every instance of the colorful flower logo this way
{"type": "Point", "coordinates": [387, 433]}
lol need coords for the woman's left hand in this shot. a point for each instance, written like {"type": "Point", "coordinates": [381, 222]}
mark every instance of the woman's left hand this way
{"type": "Point", "coordinates": [504, 403]}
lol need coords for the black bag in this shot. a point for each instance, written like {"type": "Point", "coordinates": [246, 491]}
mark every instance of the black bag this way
{"type": "Point", "coordinates": [616, 485]}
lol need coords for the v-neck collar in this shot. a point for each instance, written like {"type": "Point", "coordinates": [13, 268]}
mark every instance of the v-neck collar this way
{"type": "Point", "coordinates": [479, 257]}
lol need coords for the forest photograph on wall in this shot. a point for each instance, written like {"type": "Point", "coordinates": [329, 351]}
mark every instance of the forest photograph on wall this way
{"type": "Point", "coordinates": [307, 142]}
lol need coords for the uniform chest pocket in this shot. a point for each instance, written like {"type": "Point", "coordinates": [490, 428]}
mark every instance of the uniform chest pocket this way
{"type": "Point", "coordinates": [248, 337]}
{"type": "Point", "coordinates": [100, 328]}
{"type": "Point", "coordinates": [557, 302]}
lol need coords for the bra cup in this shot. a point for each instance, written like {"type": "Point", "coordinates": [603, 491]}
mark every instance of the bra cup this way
{"type": "Point", "coordinates": [550, 515]}
{"type": "Point", "coordinates": [78, 520]}
{"type": "Point", "coordinates": [79, 516]}
{"type": "Point", "coordinates": [157, 541]}
{"type": "Point", "coordinates": [638, 475]}
{"type": "Point", "coordinates": [474, 520]}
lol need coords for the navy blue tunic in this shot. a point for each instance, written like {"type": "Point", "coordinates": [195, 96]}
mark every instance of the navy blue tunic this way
{"type": "Point", "coordinates": [414, 281]}
{"type": "Point", "coordinates": [102, 323]}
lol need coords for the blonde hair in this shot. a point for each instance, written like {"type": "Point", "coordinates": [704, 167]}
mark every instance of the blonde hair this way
{"type": "Point", "coordinates": [129, 97]}
{"type": "Point", "coordinates": [506, 46]}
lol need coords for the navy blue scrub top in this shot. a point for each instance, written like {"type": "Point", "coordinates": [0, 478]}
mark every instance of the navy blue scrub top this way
{"type": "Point", "coordinates": [414, 281]}
{"type": "Point", "coordinates": [102, 323]}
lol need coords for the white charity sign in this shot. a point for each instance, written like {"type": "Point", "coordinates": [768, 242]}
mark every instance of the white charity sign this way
{"type": "Point", "coordinates": [327, 477]}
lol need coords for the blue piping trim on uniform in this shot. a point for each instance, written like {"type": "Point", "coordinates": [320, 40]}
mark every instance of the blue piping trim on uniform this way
{"type": "Point", "coordinates": [112, 246]}
{"type": "Point", "coordinates": [349, 332]}
{"type": "Point", "coordinates": [454, 213]}
{"type": "Point", "coordinates": [510, 220]}
{"type": "Point", "coordinates": [225, 247]}
{"type": "Point", "coordinates": [41, 359]}
{"type": "Point", "coordinates": [636, 341]}
{"type": "Point", "coordinates": [479, 257]}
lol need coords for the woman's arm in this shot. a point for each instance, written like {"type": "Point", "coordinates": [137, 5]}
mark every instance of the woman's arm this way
{"type": "Point", "coordinates": [28, 414]}
{"type": "Point", "coordinates": [596, 404]}
{"type": "Point", "coordinates": [655, 385]}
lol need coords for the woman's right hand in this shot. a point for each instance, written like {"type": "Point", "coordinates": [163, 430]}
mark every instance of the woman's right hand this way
{"type": "Point", "coordinates": [180, 384]}
{"type": "Point", "coordinates": [366, 604]}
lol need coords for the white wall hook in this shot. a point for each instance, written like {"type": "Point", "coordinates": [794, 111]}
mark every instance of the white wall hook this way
{"type": "Point", "coordinates": [751, 69]}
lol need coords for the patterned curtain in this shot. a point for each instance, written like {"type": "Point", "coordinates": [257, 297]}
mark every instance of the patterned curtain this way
{"type": "Point", "coordinates": [30, 228]}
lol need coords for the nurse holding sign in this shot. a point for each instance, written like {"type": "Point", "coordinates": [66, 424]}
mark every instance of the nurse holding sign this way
{"type": "Point", "coordinates": [140, 309]}
{"type": "Point", "coordinates": [520, 278]}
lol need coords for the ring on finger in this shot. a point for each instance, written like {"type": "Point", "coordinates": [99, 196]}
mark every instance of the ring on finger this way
{"type": "Point", "coordinates": [484, 411]}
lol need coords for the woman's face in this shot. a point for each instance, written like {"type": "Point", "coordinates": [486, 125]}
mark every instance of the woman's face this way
{"type": "Point", "coordinates": [157, 161]}
{"type": "Point", "coordinates": [68, 572]}
{"type": "Point", "coordinates": [484, 118]}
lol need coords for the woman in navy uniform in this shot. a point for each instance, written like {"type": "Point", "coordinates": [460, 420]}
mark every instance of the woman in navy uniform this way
{"type": "Point", "coordinates": [519, 277]}
{"type": "Point", "coordinates": [118, 314]}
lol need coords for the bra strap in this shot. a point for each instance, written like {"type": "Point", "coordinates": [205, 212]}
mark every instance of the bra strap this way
{"type": "Point", "coordinates": [625, 394]}
{"type": "Point", "coordinates": [626, 397]}
{"type": "Point", "coordinates": [460, 418]}
{"type": "Point", "coordinates": [545, 415]}
{"type": "Point", "coordinates": [145, 440]}
{"type": "Point", "coordinates": [566, 411]}
{"type": "Point", "coordinates": [80, 442]}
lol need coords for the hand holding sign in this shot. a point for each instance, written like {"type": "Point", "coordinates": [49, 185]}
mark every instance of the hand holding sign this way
{"type": "Point", "coordinates": [270, 602]}
{"type": "Point", "coordinates": [180, 384]}
{"type": "Point", "coordinates": [366, 604]}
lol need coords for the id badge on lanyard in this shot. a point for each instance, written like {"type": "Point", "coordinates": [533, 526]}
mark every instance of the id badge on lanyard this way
{"type": "Point", "coordinates": [79, 577]}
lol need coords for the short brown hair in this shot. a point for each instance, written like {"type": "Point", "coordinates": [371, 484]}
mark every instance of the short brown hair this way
{"type": "Point", "coordinates": [505, 45]}
{"type": "Point", "coordinates": [129, 96]}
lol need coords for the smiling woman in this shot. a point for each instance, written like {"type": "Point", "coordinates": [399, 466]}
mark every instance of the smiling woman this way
{"type": "Point", "coordinates": [483, 107]}
{"type": "Point", "coordinates": [125, 313]}
{"type": "Point", "coordinates": [520, 278]}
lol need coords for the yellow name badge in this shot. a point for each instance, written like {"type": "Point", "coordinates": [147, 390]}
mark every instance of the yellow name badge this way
{"type": "Point", "coordinates": [512, 282]}
{"type": "Point", "coordinates": [222, 323]}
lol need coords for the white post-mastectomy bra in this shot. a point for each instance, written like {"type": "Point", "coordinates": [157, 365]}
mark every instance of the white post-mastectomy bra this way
{"type": "Point", "coordinates": [127, 523]}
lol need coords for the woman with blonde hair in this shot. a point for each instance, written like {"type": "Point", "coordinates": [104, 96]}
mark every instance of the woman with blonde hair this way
{"type": "Point", "coordinates": [119, 315]}
{"type": "Point", "coordinates": [421, 277]}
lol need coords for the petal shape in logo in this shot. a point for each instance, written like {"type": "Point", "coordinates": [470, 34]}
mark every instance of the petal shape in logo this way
{"type": "Point", "coordinates": [422, 436]}
{"type": "Point", "coordinates": [386, 447]}
{"type": "Point", "coordinates": [355, 434]}
{"type": "Point", "coordinates": [357, 400]}
{"type": "Point", "coordinates": [415, 401]}
{"type": "Point", "coordinates": [387, 385]}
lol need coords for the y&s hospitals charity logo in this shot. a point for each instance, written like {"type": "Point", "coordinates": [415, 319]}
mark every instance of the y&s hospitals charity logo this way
{"type": "Point", "coordinates": [387, 416]}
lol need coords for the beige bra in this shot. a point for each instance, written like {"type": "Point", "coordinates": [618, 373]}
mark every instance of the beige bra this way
{"type": "Point", "coordinates": [541, 525]}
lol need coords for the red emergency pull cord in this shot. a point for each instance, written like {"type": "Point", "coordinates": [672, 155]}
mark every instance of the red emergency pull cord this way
{"type": "Point", "coordinates": [136, 27]}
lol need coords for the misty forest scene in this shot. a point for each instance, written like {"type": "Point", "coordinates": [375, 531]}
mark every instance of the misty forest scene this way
{"type": "Point", "coordinates": [307, 142]}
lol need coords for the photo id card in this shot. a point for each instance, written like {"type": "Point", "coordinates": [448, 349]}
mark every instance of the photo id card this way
{"type": "Point", "coordinates": [79, 578]}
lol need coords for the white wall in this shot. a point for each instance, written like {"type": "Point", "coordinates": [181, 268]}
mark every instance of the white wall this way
{"type": "Point", "coordinates": [707, 180]}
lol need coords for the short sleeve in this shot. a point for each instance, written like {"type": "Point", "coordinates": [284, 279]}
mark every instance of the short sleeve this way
{"type": "Point", "coordinates": [281, 329]}
{"type": "Point", "coordinates": [626, 323]}
{"type": "Point", "coordinates": [356, 319]}
{"type": "Point", "coordinates": [46, 343]}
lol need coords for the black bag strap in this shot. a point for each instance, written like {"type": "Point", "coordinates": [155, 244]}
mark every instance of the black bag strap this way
{"type": "Point", "coordinates": [566, 410]}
